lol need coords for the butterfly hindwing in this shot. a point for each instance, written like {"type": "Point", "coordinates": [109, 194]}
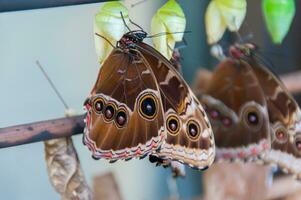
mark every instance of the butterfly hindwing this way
{"type": "Point", "coordinates": [125, 117]}
{"type": "Point", "coordinates": [189, 135]}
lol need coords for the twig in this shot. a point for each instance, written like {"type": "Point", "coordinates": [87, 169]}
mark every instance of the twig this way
{"type": "Point", "coordinates": [39, 131]}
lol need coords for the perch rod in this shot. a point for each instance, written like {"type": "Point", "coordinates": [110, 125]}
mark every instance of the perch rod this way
{"type": "Point", "coordinates": [56, 128]}
{"type": "Point", "coordinates": [39, 131]}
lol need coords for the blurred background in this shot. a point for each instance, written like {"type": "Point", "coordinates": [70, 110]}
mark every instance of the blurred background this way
{"type": "Point", "coordinates": [62, 40]}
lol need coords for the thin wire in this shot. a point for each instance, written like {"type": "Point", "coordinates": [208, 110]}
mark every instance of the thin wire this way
{"type": "Point", "coordinates": [105, 40]}
{"type": "Point", "coordinates": [52, 85]}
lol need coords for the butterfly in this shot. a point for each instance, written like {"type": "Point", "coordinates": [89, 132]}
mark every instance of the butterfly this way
{"type": "Point", "coordinates": [284, 116]}
{"type": "Point", "coordinates": [237, 109]}
{"type": "Point", "coordinates": [141, 105]}
{"type": "Point", "coordinates": [279, 111]}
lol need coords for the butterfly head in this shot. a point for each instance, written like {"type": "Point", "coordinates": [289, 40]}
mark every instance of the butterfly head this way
{"type": "Point", "coordinates": [129, 39]}
{"type": "Point", "coordinates": [239, 51]}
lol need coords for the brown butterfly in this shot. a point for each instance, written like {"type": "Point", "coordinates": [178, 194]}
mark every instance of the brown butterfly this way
{"type": "Point", "coordinates": [284, 117]}
{"type": "Point", "coordinates": [237, 109]}
{"type": "Point", "coordinates": [141, 105]}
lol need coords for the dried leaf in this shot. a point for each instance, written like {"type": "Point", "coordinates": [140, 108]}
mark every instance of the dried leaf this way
{"type": "Point", "coordinates": [64, 170]}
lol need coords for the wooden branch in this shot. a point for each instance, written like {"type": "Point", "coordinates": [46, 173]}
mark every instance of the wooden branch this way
{"type": "Point", "coordinates": [39, 131]}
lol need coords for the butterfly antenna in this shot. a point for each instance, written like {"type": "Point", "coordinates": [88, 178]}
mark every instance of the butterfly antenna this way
{"type": "Point", "coordinates": [169, 47]}
{"type": "Point", "coordinates": [105, 40]}
{"type": "Point", "coordinates": [137, 3]}
{"type": "Point", "coordinates": [124, 22]}
{"type": "Point", "coordinates": [166, 33]}
{"type": "Point", "coordinates": [265, 60]}
{"type": "Point", "coordinates": [52, 85]}
{"type": "Point", "coordinates": [136, 24]}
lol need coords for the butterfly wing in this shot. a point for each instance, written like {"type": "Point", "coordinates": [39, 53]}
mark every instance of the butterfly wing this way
{"type": "Point", "coordinates": [125, 117]}
{"type": "Point", "coordinates": [235, 104]}
{"type": "Point", "coordinates": [285, 120]}
{"type": "Point", "coordinates": [189, 134]}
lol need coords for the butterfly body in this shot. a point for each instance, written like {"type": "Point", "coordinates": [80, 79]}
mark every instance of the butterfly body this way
{"type": "Point", "coordinates": [130, 39]}
{"type": "Point", "coordinates": [140, 105]}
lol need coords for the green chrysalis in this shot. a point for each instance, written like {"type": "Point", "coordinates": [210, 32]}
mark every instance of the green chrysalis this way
{"type": "Point", "coordinates": [278, 16]}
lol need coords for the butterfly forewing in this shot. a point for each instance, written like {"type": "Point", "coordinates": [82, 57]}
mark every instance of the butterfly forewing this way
{"type": "Point", "coordinates": [285, 120]}
{"type": "Point", "coordinates": [237, 109]}
{"type": "Point", "coordinates": [189, 134]}
{"type": "Point", "coordinates": [125, 117]}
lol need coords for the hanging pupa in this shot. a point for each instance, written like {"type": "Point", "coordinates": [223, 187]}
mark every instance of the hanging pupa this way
{"type": "Point", "coordinates": [170, 18]}
{"type": "Point", "coordinates": [278, 15]}
{"type": "Point", "coordinates": [109, 24]}
{"type": "Point", "coordinates": [222, 14]}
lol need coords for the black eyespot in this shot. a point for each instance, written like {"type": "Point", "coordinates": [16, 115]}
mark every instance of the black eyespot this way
{"type": "Point", "coordinates": [148, 106]}
{"type": "Point", "coordinates": [121, 118]}
{"type": "Point", "coordinates": [109, 112]}
{"type": "Point", "coordinates": [193, 129]}
{"type": "Point", "coordinates": [98, 105]}
{"type": "Point", "coordinates": [173, 124]}
{"type": "Point", "coordinates": [252, 118]}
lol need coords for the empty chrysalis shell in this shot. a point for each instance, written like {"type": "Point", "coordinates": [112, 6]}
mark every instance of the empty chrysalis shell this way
{"type": "Point", "coordinates": [215, 25]}
{"type": "Point", "coordinates": [222, 14]}
{"type": "Point", "coordinates": [278, 16]}
{"type": "Point", "coordinates": [108, 23]}
{"type": "Point", "coordinates": [170, 18]}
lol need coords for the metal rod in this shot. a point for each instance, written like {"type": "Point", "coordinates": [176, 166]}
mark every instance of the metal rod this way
{"type": "Point", "coordinates": [58, 94]}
